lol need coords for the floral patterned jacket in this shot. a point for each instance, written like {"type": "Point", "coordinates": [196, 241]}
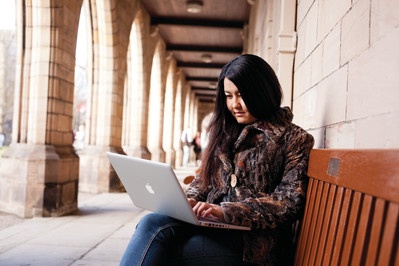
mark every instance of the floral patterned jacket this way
{"type": "Point", "coordinates": [263, 186]}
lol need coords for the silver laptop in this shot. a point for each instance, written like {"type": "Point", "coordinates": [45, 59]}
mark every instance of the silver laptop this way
{"type": "Point", "coordinates": [154, 186]}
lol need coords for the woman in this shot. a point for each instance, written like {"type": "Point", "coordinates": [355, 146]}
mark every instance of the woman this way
{"type": "Point", "coordinates": [197, 147]}
{"type": "Point", "coordinates": [253, 173]}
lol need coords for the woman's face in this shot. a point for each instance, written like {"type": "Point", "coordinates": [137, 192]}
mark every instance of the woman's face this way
{"type": "Point", "coordinates": [236, 104]}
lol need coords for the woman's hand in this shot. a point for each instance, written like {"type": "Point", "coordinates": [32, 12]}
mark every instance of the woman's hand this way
{"type": "Point", "coordinates": [207, 210]}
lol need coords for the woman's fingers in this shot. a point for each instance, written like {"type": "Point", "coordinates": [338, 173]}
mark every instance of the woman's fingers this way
{"type": "Point", "coordinates": [203, 209]}
{"type": "Point", "coordinates": [196, 208]}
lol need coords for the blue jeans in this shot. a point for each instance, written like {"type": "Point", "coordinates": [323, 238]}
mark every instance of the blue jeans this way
{"type": "Point", "coordinates": [161, 240]}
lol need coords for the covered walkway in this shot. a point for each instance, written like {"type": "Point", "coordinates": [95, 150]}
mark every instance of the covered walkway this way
{"type": "Point", "coordinates": [337, 62]}
{"type": "Point", "coordinates": [96, 234]}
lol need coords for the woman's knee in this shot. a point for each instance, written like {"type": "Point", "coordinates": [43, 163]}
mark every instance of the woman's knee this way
{"type": "Point", "coordinates": [154, 220]}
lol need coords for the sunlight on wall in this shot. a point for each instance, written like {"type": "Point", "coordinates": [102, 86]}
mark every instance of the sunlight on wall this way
{"type": "Point", "coordinates": [154, 118]}
{"type": "Point", "coordinates": [81, 47]}
{"type": "Point", "coordinates": [81, 83]}
{"type": "Point", "coordinates": [7, 15]}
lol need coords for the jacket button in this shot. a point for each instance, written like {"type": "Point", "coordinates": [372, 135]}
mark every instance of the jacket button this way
{"type": "Point", "coordinates": [233, 180]}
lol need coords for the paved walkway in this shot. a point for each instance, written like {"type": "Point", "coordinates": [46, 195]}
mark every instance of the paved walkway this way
{"type": "Point", "coordinates": [97, 234]}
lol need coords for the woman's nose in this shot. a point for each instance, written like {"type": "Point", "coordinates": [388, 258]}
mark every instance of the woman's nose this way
{"type": "Point", "coordinates": [236, 102]}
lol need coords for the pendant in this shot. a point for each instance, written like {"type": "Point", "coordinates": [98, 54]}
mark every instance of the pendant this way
{"type": "Point", "coordinates": [233, 180]}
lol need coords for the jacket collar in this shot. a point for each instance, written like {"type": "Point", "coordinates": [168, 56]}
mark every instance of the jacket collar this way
{"type": "Point", "coordinates": [273, 127]}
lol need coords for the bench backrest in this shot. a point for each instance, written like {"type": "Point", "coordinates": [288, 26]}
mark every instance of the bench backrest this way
{"type": "Point", "coordinates": [352, 209]}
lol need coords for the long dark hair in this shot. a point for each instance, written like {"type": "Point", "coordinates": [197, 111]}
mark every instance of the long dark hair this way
{"type": "Point", "coordinates": [261, 91]}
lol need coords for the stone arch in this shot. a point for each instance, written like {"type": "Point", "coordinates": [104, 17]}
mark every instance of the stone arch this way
{"type": "Point", "coordinates": [42, 132]}
{"type": "Point", "coordinates": [135, 113]}
{"type": "Point", "coordinates": [156, 104]}
{"type": "Point", "coordinates": [169, 109]}
{"type": "Point", "coordinates": [178, 119]}
{"type": "Point", "coordinates": [194, 102]}
{"type": "Point", "coordinates": [108, 92]}
{"type": "Point", "coordinates": [83, 76]}
{"type": "Point", "coordinates": [186, 107]}
{"type": "Point", "coordinates": [104, 120]}
{"type": "Point", "coordinates": [187, 111]}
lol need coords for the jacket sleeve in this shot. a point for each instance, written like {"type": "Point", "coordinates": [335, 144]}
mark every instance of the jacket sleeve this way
{"type": "Point", "coordinates": [286, 203]}
{"type": "Point", "coordinates": [193, 190]}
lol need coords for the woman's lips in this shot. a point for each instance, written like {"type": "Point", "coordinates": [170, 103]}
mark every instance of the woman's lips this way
{"type": "Point", "coordinates": [239, 113]}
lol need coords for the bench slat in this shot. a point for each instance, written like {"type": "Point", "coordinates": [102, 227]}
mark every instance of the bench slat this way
{"type": "Point", "coordinates": [305, 228]}
{"type": "Point", "coordinates": [344, 211]}
{"type": "Point", "coordinates": [386, 254]}
{"type": "Point", "coordinates": [352, 210]}
{"type": "Point", "coordinates": [375, 234]}
{"type": "Point", "coordinates": [324, 188]}
{"type": "Point", "coordinates": [352, 228]}
{"type": "Point", "coordinates": [360, 170]}
{"type": "Point", "coordinates": [314, 223]}
{"type": "Point", "coordinates": [332, 233]}
{"type": "Point", "coordinates": [326, 222]}
{"type": "Point", "coordinates": [363, 229]}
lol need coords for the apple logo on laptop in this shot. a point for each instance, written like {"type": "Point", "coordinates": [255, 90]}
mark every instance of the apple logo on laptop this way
{"type": "Point", "coordinates": [149, 188]}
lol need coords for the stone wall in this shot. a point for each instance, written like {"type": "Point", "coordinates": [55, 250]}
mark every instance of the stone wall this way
{"type": "Point", "coordinates": [346, 81]}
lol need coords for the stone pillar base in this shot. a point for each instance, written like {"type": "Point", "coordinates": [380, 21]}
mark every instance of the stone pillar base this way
{"type": "Point", "coordinates": [96, 172]}
{"type": "Point", "coordinates": [178, 158]}
{"type": "Point", "coordinates": [158, 155]}
{"type": "Point", "coordinates": [39, 180]}
{"type": "Point", "coordinates": [140, 152]}
{"type": "Point", "coordinates": [170, 157]}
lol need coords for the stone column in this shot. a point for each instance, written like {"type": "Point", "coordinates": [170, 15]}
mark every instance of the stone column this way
{"type": "Point", "coordinates": [178, 118]}
{"type": "Point", "coordinates": [137, 87]}
{"type": "Point", "coordinates": [287, 40]}
{"type": "Point", "coordinates": [39, 172]}
{"type": "Point", "coordinates": [168, 121]}
{"type": "Point", "coordinates": [105, 103]}
{"type": "Point", "coordinates": [157, 102]}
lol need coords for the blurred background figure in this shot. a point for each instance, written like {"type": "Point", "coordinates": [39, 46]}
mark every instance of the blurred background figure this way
{"type": "Point", "coordinates": [197, 148]}
{"type": "Point", "coordinates": [186, 141]}
{"type": "Point", "coordinates": [204, 139]}
{"type": "Point", "coordinates": [79, 138]}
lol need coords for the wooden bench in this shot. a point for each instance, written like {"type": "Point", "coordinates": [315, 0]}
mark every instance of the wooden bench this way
{"type": "Point", "coordinates": [352, 209]}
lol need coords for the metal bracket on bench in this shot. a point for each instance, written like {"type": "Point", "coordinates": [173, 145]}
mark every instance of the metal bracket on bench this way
{"type": "Point", "coordinates": [333, 166]}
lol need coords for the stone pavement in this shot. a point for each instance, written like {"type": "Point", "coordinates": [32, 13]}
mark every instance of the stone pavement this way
{"type": "Point", "coordinates": [97, 234]}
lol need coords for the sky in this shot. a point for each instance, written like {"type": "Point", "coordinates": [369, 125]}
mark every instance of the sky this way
{"type": "Point", "coordinates": [7, 15]}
